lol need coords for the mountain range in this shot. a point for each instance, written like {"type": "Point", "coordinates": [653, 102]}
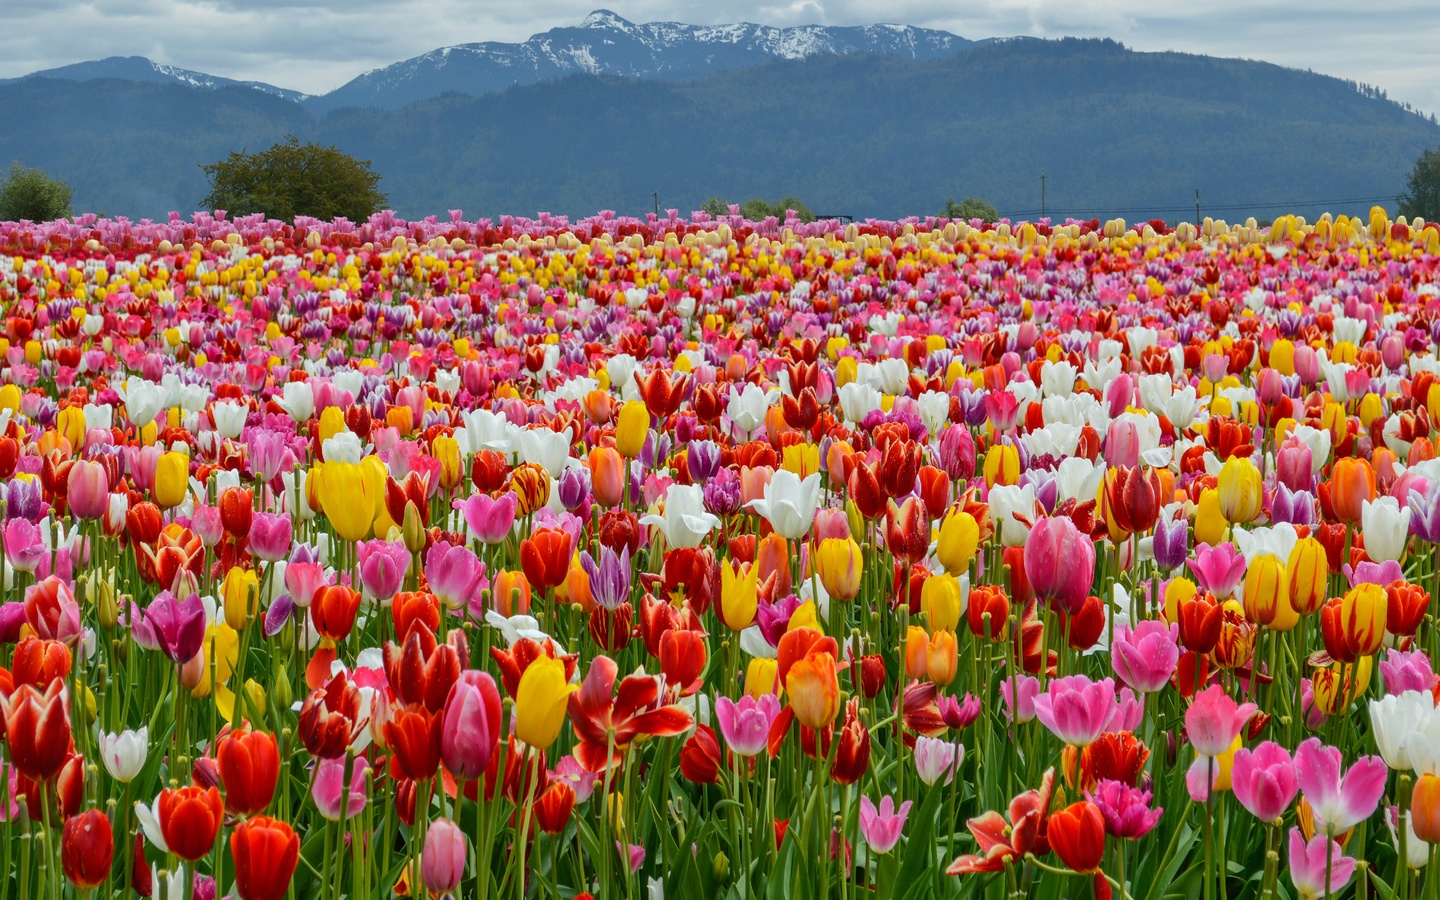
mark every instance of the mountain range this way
{"type": "Point", "coordinates": [603, 44]}
{"type": "Point", "coordinates": [851, 130]}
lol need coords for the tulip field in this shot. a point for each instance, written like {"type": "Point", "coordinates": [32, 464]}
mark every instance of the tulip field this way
{"type": "Point", "coordinates": [710, 558]}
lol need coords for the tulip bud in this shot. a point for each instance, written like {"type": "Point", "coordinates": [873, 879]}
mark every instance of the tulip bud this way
{"type": "Point", "coordinates": [413, 529]}
{"type": "Point", "coordinates": [281, 687]}
{"type": "Point", "coordinates": [720, 868]}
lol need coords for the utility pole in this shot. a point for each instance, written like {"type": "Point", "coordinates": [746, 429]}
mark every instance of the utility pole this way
{"type": "Point", "coordinates": [1197, 207]}
{"type": "Point", "coordinates": [656, 195]}
{"type": "Point", "coordinates": [1043, 176]}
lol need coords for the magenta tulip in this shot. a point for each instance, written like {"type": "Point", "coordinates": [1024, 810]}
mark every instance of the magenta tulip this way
{"type": "Point", "coordinates": [746, 725]}
{"type": "Point", "coordinates": [270, 536]}
{"type": "Point", "coordinates": [1144, 657]}
{"type": "Point", "coordinates": [382, 568]}
{"type": "Point", "coordinates": [488, 518]}
{"type": "Point", "coordinates": [1060, 563]}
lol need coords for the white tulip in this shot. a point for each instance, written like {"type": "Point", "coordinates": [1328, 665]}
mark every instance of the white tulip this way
{"type": "Point", "coordinates": [789, 504]}
{"type": "Point", "coordinates": [124, 753]}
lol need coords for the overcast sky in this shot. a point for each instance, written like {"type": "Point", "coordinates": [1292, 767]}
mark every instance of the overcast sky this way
{"type": "Point", "coordinates": [317, 45]}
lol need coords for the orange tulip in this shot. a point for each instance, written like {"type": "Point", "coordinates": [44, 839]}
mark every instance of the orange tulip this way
{"type": "Point", "coordinates": [1352, 484]}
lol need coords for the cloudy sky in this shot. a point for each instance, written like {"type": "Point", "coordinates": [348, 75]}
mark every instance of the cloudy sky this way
{"type": "Point", "coordinates": [317, 45]}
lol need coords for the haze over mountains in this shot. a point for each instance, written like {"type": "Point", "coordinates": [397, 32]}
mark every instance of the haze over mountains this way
{"type": "Point", "coordinates": [875, 121]}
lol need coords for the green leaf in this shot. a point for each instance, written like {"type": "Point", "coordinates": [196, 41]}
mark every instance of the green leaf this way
{"type": "Point", "coordinates": [920, 848]}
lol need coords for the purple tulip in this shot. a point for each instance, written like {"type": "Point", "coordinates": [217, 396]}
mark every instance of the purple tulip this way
{"type": "Point", "coordinates": [702, 460]}
{"type": "Point", "coordinates": [1171, 544]}
{"type": "Point", "coordinates": [178, 627]}
{"type": "Point", "coordinates": [610, 578]}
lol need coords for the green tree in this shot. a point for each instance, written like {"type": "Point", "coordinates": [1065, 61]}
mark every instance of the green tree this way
{"type": "Point", "coordinates": [1422, 191]}
{"type": "Point", "coordinates": [970, 208]}
{"type": "Point", "coordinates": [758, 209]}
{"type": "Point", "coordinates": [715, 207]}
{"type": "Point", "coordinates": [293, 179]}
{"type": "Point", "coordinates": [31, 194]}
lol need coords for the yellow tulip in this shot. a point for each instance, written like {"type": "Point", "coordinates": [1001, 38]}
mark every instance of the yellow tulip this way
{"type": "Point", "coordinates": [760, 676]}
{"type": "Point", "coordinates": [348, 497]}
{"type": "Point", "coordinates": [1282, 357]}
{"type": "Point", "coordinates": [1002, 465]}
{"type": "Point", "coordinates": [839, 563]}
{"type": "Point", "coordinates": [10, 398]}
{"type": "Point", "coordinates": [1267, 587]}
{"type": "Point", "coordinates": [1370, 409]}
{"type": "Point", "coordinates": [846, 371]}
{"type": "Point", "coordinates": [241, 593]}
{"type": "Point", "coordinates": [375, 474]}
{"type": "Point", "coordinates": [1239, 490]}
{"type": "Point", "coordinates": [220, 650]}
{"type": "Point", "coordinates": [631, 429]}
{"type": "Point", "coordinates": [959, 538]}
{"type": "Point", "coordinates": [447, 453]}
{"type": "Point", "coordinates": [332, 422]}
{"type": "Point", "coordinates": [1337, 686]}
{"type": "Point", "coordinates": [804, 616]}
{"type": "Point", "coordinates": [172, 479]}
{"type": "Point", "coordinates": [1307, 572]}
{"type": "Point", "coordinates": [1224, 764]}
{"type": "Point", "coordinates": [942, 657]}
{"type": "Point", "coordinates": [739, 596]}
{"type": "Point", "coordinates": [940, 601]}
{"type": "Point", "coordinates": [801, 459]}
{"type": "Point", "coordinates": [70, 422]}
{"type": "Point", "coordinates": [1179, 590]}
{"type": "Point", "coordinates": [540, 702]}
{"type": "Point", "coordinates": [1210, 523]}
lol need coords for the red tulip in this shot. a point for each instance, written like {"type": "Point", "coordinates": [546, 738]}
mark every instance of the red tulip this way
{"type": "Point", "coordinates": [413, 734]}
{"type": "Point", "coordinates": [265, 852]}
{"type": "Point", "coordinates": [1077, 835]}
{"type": "Point", "coordinates": [330, 718]}
{"type": "Point", "coordinates": [237, 507]}
{"type": "Point", "coordinates": [545, 557]}
{"type": "Point", "coordinates": [37, 727]}
{"type": "Point", "coordinates": [190, 819]}
{"type": "Point", "coordinates": [852, 756]}
{"type": "Point", "coordinates": [249, 763]}
{"type": "Point", "coordinates": [87, 847]}
{"type": "Point", "coordinates": [554, 806]}
{"type": "Point", "coordinates": [38, 663]}
{"type": "Point", "coordinates": [700, 757]}
{"type": "Point", "coordinates": [333, 610]}
{"type": "Point", "coordinates": [423, 671]}
{"type": "Point", "coordinates": [682, 659]}
{"type": "Point", "coordinates": [907, 529]}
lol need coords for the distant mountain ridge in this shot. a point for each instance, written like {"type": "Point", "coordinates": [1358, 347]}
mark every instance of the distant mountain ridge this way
{"type": "Point", "coordinates": [604, 43]}
{"type": "Point", "coordinates": [1117, 133]}
{"type": "Point", "coordinates": [138, 68]}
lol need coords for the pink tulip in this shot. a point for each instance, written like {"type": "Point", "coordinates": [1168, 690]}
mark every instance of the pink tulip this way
{"type": "Point", "coordinates": [881, 827]}
{"type": "Point", "coordinates": [88, 489]}
{"type": "Point", "coordinates": [270, 536]}
{"type": "Point", "coordinates": [1060, 563]}
{"type": "Point", "coordinates": [24, 549]}
{"type": "Point", "coordinates": [745, 725]}
{"type": "Point", "coordinates": [304, 575]}
{"type": "Point", "coordinates": [1023, 710]}
{"type": "Point", "coordinates": [443, 862]}
{"type": "Point", "coordinates": [1218, 569]}
{"type": "Point", "coordinates": [1129, 711]}
{"type": "Point", "coordinates": [1404, 671]}
{"type": "Point", "coordinates": [472, 722]}
{"type": "Point", "coordinates": [1122, 444]}
{"type": "Point", "coordinates": [1310, 862]}
{"type": "Point", "coordinates": [1214, 720]}
{"type": "Point", "coordinates": [1294, 465]}
{"type": "Point", "coordinates": [935, 757]}
{"type": "Point", "coordinates": [329, 785]}
{"type": "Point", "coordinates": [1144, 657]}
{"type": "Point", "coordinates": [1076, 709]}
{"type": "Point", "coordinates": [1338, 801]}
{"type": "Point", "coordinates": [1264, 780]}
{"type": "Point", "coordinates": [635, 853]}
{"type": "Point", "coordinates": [455, 574]}
{"type": "Point", "coordinates": [382, 568]}
{"type": "Point", "coordinates": [1126, 809]}
{"type": "Point", "coordinates": [489, 519]}
{"type": "Point", "coordinates": [205, 522]}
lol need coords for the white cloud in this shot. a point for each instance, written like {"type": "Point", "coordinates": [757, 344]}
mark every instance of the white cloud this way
{"type": "Point", "coordinates": [317, 45]}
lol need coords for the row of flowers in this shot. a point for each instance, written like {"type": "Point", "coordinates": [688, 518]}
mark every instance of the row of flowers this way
{"type": "Point", "coordinates": [695, 556]}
